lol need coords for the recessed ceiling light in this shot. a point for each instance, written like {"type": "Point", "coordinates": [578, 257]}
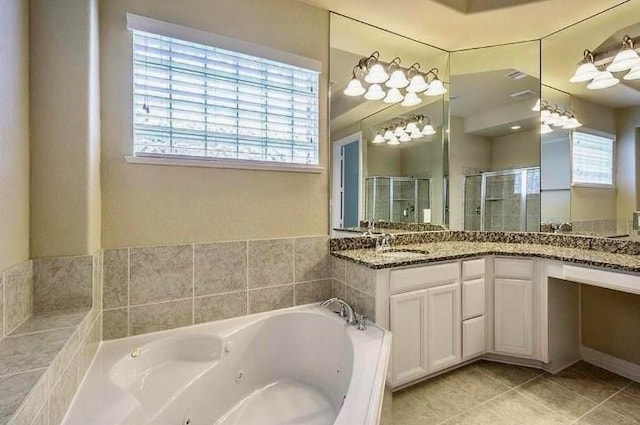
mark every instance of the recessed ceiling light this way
{"type": "Point", "coordinates": [516, 127]}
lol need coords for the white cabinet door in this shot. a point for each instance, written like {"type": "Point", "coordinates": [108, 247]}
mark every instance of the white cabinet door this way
{"type": "Point", "coordinates": [513, 323]}
{"type": "Point", "coordinates": [408, 323]}
{"type": "Point", "coordinates": [473, 337]}
{"type": "Point", "coordinates": [443, 330]}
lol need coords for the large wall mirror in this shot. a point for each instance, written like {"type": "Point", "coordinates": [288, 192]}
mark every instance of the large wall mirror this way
{"type": "Point", "coordinates": [388, 156]}
{"type": "Point", "coordinates": [590, 173]}
{"type": "Point", "coordinates": [494, 158]}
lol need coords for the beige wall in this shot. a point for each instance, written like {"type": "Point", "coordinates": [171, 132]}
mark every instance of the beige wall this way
{"type": "Point", "coordinates": [150, 204]}
{"type": "Point", "coordinates": [518, 150]}
{"type": "Point", "coordinates": [14, 132]}
{"type": "Point", "coordinates": [65, 136]}
{"type": "Point", "coordinates": [627, 170]}
{"type": "Point", "coordinates": [610, 322]}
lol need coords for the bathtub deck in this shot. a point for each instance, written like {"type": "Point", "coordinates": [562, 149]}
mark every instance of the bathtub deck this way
{"type": "Point", "coordinates": [282, 403]}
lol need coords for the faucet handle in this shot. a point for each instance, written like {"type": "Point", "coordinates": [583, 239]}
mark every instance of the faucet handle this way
{"type": "Point", "coordinates": [362, 322]}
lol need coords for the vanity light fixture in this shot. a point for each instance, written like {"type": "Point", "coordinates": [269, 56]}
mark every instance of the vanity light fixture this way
{"type": "Point", "coordinates": [411, 81]}
{"type": "Point", "coordinates": [536, 107]}
{"type": "Point", "coordinates": [626, 59]}
{"type": "Point", "coordinates": [378, 139]}
{"type": "Point", "coordinates": [405, 130]}
{"type": "Point", "coordinates": [545, 129]}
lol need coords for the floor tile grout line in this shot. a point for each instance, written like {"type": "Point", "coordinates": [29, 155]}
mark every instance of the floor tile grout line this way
{"type": "Point", "coordinates": [489, 399]}
{"type": "Point", "coordinates": [603, 403]}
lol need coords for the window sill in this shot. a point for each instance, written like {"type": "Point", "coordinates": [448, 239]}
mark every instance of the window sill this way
{"type": "Point", "coordinates": [182, 161]}
{"type": "Point", "coordinates": [592, 186]}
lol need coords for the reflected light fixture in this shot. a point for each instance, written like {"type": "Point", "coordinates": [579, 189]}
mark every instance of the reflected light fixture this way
{"type": "Point", "coordinates": [626, 59]}
{"type": "Point", "coordinates": [603, 80]}
{"type": "Point", "coordinates": [393, 141]}
{"type": "Point", "coordinates": [405, 138]}
{"type": "Point", "coordinates": [553, 115]}
{"type": "Point", "coordinates": [404, 130]}
{"type": "Point", "coordinates": [378, 139]}
{"type": "Point", "coordinates": [412, 81]}
{"type": "Point", "coordinates": [545, 129]}
{"type": "Point", "coordinates": [536, 107]}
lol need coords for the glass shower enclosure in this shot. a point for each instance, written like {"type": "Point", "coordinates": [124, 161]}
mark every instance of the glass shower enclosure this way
{"type": "Point", "coordinates": [506, 200]}
{"type": "Point", "coordinates": [398, 199]}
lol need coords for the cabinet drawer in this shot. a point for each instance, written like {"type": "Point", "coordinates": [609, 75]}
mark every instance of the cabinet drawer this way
{"type": "Point", "coordinates": [513, 268]}
{"type": "Point", "coordinates": [473, 342]}
{"type": "Point", "coordinates": [473, 269]}
{"type": "Point", "coordinates": [472, 298]}
{"type": "Point", "coordinates": [423, 277]}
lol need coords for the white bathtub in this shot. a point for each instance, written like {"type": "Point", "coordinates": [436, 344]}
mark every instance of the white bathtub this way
{"type": "Point", "coordinates": [302, 365]}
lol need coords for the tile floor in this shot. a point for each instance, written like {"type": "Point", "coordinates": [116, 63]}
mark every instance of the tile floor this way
{"type": "Point", "coordinates": [486, 393]}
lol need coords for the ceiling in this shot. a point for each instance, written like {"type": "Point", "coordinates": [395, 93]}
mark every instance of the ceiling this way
{"type": "Point", "coordinates": [465, 24]}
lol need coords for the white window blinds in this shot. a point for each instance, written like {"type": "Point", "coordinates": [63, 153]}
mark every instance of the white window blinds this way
{"type": "Point", "coordinates": [592, 159]}
{"type": "Point", "coordinates": [194, 100]}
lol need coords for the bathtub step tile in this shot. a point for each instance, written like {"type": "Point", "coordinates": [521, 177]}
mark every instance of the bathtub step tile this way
{"type": "Point", "coordinates": [267, 299]}
{"type": "Point", "coordinates": [15, 389]}
{"type": "Point", "coordinates": [220, 267]}
{"type": "Point", "coordinates": [53, 320]}
{"type": "Point", "coordinates": [312, 292]}
{"type": "Point", "coordinates": [25, 352]}
{"type": "Point", "coordinates": [219, 307]}
{"type": "Point", "coordinates": [160, 317]}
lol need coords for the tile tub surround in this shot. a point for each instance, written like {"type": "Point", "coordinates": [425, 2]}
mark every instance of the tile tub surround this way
{"type": "Point", "coordinates": [355, 284]}
{"type": "Point", "coordinates": [150, 289]}
{"type": "Point", "coordinates": [16, 287]}
{"type": "Point", "coordinates": [61, 283]}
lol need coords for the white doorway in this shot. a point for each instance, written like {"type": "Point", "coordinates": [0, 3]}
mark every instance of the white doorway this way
{"type": "Point", "coordinates": [346, 188]}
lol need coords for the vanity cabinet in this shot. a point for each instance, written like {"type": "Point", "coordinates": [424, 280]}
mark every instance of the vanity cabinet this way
{"type": "Point", "coordinates": [513, 289]}
{"type": "Point", "coordinates": [473, 308]}
{"type": "Point", "coordinates": [425, 322]}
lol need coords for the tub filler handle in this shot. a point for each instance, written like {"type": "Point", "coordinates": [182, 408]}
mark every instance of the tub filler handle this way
{"type": "Point", "coordinates": [346, 311]}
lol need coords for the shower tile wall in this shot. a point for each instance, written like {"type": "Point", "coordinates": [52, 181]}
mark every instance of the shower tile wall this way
{"type": "Point", "coordinates": [163, 287]}
{"type": "Point", "coordinates": [472, 202]}
{"type": "Point", "coordinates": [502, 211]}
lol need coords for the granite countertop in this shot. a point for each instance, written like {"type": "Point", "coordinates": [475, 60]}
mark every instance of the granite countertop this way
{"type": "Point", "coordinates": [443, 251]}
{"type": "Point", "coordinates": [376, 231]}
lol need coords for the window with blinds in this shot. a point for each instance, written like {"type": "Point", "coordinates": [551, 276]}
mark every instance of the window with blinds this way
{"type": "Point", "coordinates": [193, 100]}
{"type": "Point", "coordinates": [592, 159]}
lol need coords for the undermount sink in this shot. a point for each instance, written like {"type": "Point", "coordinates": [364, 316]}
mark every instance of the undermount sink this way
{"type": "Point", "coordinates": [399, 255]}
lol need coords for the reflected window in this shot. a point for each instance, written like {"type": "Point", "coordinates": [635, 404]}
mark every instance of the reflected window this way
{"type": "Point", "coordinates": [592, 159]}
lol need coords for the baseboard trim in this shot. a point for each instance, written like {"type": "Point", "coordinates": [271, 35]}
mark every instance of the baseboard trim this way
{"type": "Point", "coordinates": [610, 363]}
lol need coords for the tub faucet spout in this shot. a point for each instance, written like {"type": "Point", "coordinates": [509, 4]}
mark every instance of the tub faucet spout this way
{"type": "Point", "coordinates": [346, 311]}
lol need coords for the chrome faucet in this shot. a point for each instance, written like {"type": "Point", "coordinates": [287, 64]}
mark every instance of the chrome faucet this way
{"type": "Point", "coordinates": [371, 226]}
{"type": "Point", "coordinates": [346, 311]}
{"type": "Point", "coordinates": [383, 242]}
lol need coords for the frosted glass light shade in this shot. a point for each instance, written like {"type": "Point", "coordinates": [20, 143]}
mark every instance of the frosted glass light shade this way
{"type": "Point", "coordinates": [405, 138]}
{"type": "Point", "coordinates": [376, 74]}
{"type": "Point", "coordinates": [545, 129]}
{"type": "Point", "coordinates": [624, 61]}
{"type": "Point", "coordinates": [374, 92]}
{"type": "Point", "coordinates": [354, 88]}
{"type": "Point", "coordinates": [634, 74]}
{"type": "Point", "coordinates": [603, 80]}
{"type": "Point", "coordinates": [394, 141]}
{"type": "Point", "coordinates": [397, 80]}
{"type": "Point", "coordinates": [399, 130]}
{"type": "Point", "coordinates": [585, 72]}
{"type": "Point", "coordinates": [411, 99]}
{"type": "Point", "coordinates": [412, 127]}
{"type": "Point", "coordinates": [436, 88]}
{"type": "Point", "coordinates": [378, 139]}
{"type": "Point", "coordinates": [393, 96]}
{"type": "Point", "coordinates": [536, 107]}
{"type": "Point", "coordinates": [572, 123]}
{"type": "Point", "coordinates": [388, 134]}
{"type": "Point", "coordinates": [428, 130]}
{"type": "Point", "coordinates": [416, 134]}
{"type": "Point", "coordinates": [418, 84]}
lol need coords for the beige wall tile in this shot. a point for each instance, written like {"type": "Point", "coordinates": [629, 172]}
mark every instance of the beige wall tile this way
{"type": "Point", "coordinates": [2, 331]}
{"type": "Point", "coordinates": [160, 273]}
{"type": "Point", "coordinates": [312, 292]}
{"type": "Point", "coordinates": [268, 299]}
{"type": "Point", "coordinates": [311, 258]}
{"type": "Point", "coordinates": [63, 392]}
{"type": "Point", "coordinates": [18, 283]}
{"type": "Point", "coordinates": [61, 283]}
{"type": "Point", "coordinates": [270, 262]}
{"type": "Point", "coordinates": [159, 317]}
{"type": "Point", "coordinates": [219, 307]}
{"type": "Point", "coordinates": [338, 289]}
{"type": "Point", "coordinates": [115, 323]}
{"type": "Point", "coordinates": [338, 269]}
{"type": "Point", "coordinates": [361, 302]}
{"type": "Point", "coordinates": [220, 267]}
{"type": "Point", "coordinates": [360, 277]}
{"type": "Point", "coordinates": [116, 278]}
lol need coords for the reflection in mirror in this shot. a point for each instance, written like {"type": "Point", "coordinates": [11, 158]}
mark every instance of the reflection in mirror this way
{"type": "Point", "coordinates": [589, 175]}
{"type": "Point", "coordinates": [399, 178]}
{"type": "Point", "coordinates": [494, 148]}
